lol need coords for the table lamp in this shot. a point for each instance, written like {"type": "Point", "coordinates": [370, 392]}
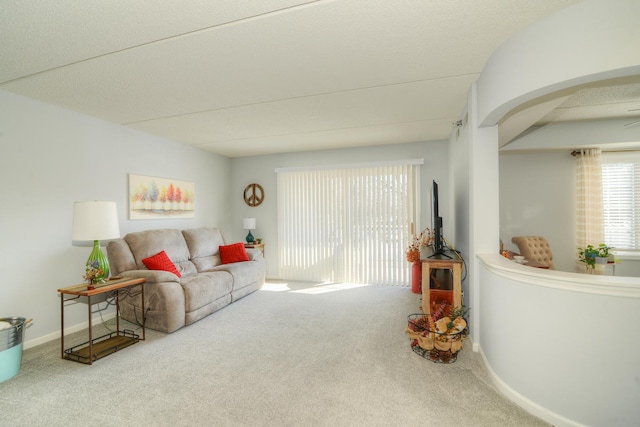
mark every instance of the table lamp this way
{"type": "Point", "coordinates": [249, 224]}
{"type": "Point", "coordinates": [95, 221]}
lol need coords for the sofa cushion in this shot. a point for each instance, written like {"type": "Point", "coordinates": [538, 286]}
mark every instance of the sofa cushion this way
{"type": "Point", "coordinates": [161, 261]}
{"type": "Point", "coordinates": [245, 273]}
{"type": "Point", "coordinates": [144, 244]}
{"type": "Point", "coordinates": [233, 253]}
{"type": "Point", "coordinates": [203, 241]}
{"type": "Point", "coordinates": [203, 288]}
{"type": "Point", "coordinates": [203, 244]}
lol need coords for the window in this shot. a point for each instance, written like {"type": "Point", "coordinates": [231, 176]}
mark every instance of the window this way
{"type": "Point", "coordinates": [346, 224]}
{"type": "Point", "coordinates": [621, 199]}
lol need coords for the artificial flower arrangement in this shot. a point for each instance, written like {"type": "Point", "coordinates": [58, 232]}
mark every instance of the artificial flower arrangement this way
{"type": "Point", "coordinates": [93, 273]}
{"type": "Point", "coordinates": [425, 238]}
{"type": "Point", "coordinates": [438, 336]}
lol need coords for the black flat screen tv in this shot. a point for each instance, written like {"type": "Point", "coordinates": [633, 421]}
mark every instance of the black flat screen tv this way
{"type": "Point", "coordinates": [436, 222]}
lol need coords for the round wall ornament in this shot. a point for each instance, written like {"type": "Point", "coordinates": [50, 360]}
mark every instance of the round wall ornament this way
{"type": "Point", "coordinates": [253, 194]}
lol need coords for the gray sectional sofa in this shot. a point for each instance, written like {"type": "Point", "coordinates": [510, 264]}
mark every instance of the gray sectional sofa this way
{"type": "Point", "coordinates": [205, 285]}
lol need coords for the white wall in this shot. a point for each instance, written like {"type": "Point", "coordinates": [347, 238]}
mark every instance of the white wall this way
{"type": "Point", "coordinates": [555, 53]}
{"type": "Point", "coordinates": [460, 195]}
{"type": "Point", "coordinates": [261, 170]}
{"type": "Point", "coordinates": [551, 345]}
{"type": "Point", "coordinates": [589, 41]}
{"type": "Point", "coordinates": [537, 198]}
{"type": "Point", "coordinates": [474, 177]}
{"type": "Point", "coordinates": [545, 205]}
{"type": "Point", "coordinates": [52, 157]}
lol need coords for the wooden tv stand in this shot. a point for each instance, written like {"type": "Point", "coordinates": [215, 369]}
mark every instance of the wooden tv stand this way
{"type": "Point", "coordinates": [455, 265]}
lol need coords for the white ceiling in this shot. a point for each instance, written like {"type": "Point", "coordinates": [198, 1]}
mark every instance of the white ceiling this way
{"type": "Point", "coordinates": [245, 77]}
{"type": "Point", "coordinates": [617, 98]}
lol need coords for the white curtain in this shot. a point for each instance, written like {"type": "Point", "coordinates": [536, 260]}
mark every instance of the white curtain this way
{"type": "Point", "coordinates": [589, 210]}
{"type": "Point", "coordinates": [346, 225]}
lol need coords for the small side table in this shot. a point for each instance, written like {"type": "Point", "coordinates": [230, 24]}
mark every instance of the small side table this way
{"type": "Point", "coordinates": [255, 246]}
{"type": "Point", "coordinates": [100, 347]}
{"type": "Point", "coordinates": [613, 266]}
{"type": "Point", "coordinates": [455, 265]}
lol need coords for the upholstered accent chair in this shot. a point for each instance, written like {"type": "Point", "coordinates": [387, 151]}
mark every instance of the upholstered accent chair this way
{"type": "Point", "coordinates": [536, 248]}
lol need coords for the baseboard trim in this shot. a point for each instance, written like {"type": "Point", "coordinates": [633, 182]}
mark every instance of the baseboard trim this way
{"type": "Point", "coordinates": [530, 406]}
{"type": "Point", "coordinates": [71, 329]}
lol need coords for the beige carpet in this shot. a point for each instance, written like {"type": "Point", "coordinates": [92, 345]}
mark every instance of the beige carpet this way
{"type": "Point", "coordinates": [288, 355]}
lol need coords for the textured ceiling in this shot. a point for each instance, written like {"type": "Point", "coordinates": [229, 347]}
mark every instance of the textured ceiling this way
{"type": "Point", "coordinates": [246, 77]}
{"type": "Point", "coordinates": [614, 99]}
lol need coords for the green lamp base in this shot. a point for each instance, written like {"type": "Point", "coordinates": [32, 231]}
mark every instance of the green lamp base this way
{"type": "Point", "coordinates": [97, 268]}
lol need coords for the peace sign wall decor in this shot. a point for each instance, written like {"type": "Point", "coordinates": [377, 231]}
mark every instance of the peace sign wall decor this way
{"type": "Point", "coordinates": [253, 194]}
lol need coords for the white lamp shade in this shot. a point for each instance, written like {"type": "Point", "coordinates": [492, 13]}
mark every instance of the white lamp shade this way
{"type": "Point", "coordinates": [249, 223]}
{"type": "Point", "coordinates": [95, 220]}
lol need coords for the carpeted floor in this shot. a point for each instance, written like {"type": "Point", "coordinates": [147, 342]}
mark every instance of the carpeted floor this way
{"type": "Point", "coordinates": [291, 354]}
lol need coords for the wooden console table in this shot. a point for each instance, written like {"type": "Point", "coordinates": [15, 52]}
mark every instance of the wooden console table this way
{"type": "Point", "coordinates": [95, 349]}
{"type": "Point", "coordinates": [455, 265]}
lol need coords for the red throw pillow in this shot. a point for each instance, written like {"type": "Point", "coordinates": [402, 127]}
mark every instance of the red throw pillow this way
{"type": "Point", "coordinates": [233, 253]}
{"type": "Point", "coordinates": [161, 261]}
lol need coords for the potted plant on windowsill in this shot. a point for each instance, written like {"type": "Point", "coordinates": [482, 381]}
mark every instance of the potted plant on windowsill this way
{"type": "Point", "coordinates": [588, 255]}
{"type": "Point", "coordinates": [604, 252]}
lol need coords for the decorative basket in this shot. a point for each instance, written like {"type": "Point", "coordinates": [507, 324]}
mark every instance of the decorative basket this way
{"type": "Point", "coordinates": [436, 346]}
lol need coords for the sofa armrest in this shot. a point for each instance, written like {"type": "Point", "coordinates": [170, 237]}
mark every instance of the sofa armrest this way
{"type": "Point", "coordinates": [164, 301]}
{"type": "Point", "coordinates": [254, 254]}
{"type": "Point", "coordinates": [152, 276]}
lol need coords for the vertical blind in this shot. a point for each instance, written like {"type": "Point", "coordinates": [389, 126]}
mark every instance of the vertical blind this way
{"type": "Point", "coordinates": [621, 199]}
{"type": "Point", "coordinates": [347, 224]}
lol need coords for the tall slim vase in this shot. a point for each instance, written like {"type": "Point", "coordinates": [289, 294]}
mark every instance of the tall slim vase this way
{"type": "Point", "coordinates": [416, 277]}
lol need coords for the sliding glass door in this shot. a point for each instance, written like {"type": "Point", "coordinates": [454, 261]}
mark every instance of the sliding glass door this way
{"type": "Point", "coordinates": [347, 224]}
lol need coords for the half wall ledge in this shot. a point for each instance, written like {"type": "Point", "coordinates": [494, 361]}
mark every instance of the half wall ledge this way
{"type": "Point", "coordinates": [561, 345]}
